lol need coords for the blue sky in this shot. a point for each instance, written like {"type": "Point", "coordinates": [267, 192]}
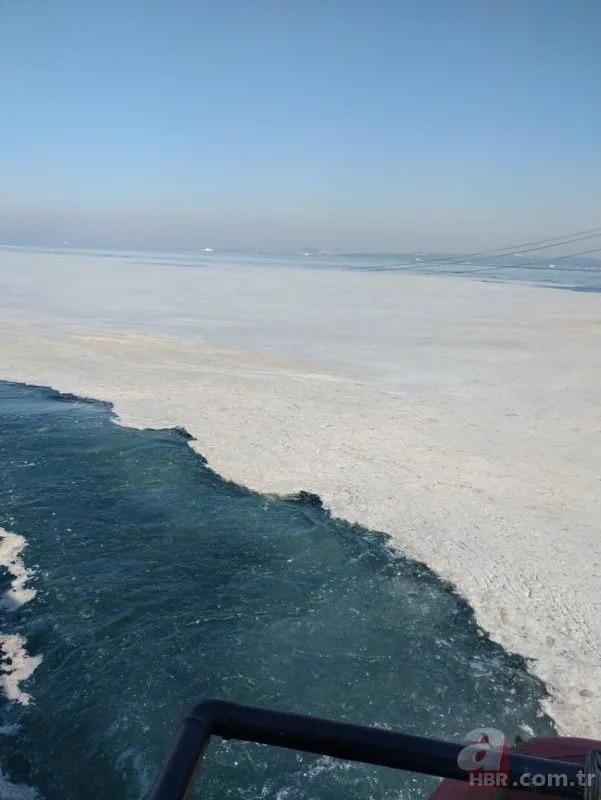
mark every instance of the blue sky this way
{"type": "Point", "coordinates": [353, 124]}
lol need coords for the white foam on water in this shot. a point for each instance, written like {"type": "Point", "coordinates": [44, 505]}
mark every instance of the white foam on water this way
{"type": "Point", "coordinates": [16, 665]}
{"type": "Point", "coordinates": [11, 546]}
{"type": "Point", "coordinates": [461, 418]}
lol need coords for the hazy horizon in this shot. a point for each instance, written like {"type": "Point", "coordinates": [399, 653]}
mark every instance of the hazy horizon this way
{"type": "Point", "coordinates": [340, 124]}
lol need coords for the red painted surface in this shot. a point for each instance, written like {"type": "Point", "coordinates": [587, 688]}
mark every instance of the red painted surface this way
{"type": "Point", "coordinates": [561, 749]}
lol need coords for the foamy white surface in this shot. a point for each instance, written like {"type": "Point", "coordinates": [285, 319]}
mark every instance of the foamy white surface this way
{"type": "Point", "coordinates": [16, 665]}
{"type": "Point", "coordinates": [11, 545]}
{"type": "Point", "coordinates": [462, 418]}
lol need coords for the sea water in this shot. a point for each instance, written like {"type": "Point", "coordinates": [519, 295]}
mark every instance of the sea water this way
{"type": "Point", "coordinates": [139, 582]}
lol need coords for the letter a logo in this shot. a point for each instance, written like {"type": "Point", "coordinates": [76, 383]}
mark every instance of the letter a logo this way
{"type": "Point", "coordinates": [486, 751]}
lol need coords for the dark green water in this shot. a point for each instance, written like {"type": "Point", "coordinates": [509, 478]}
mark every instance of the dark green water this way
{"type": "Point", "coordinates": [159, 584]}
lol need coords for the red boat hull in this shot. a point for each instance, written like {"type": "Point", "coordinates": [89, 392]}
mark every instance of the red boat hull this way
{"type": "Point", "coordinates": [573, 751]}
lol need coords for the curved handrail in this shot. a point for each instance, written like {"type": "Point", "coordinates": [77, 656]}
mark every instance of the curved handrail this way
{"type": "Point", "coordinates": [338, 740]}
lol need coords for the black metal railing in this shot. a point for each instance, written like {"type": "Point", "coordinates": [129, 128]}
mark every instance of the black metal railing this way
{"type": "Point", "coordinates": [344, 741]}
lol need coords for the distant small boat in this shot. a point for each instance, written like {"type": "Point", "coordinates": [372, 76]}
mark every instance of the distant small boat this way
{"type": "Point", "coordinates": [207, 250]}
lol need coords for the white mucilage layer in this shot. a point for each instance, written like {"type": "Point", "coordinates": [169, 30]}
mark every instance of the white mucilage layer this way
{"type": "Point", "coordinates": [461, 418]}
